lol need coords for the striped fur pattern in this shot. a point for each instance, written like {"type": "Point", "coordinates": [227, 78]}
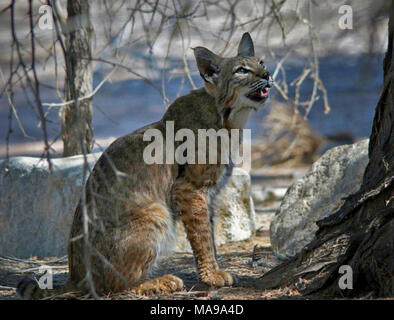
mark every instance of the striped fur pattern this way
{"type": "Point", "coordinates": [126, 219]}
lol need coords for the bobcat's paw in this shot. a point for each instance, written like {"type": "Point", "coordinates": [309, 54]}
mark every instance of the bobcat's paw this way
{"type": "Point", "coordinates": [166, 284]}
{"type": "Point", "coordinates": [219, 278]}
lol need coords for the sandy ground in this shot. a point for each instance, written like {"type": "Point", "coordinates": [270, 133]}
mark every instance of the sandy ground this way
{"type": "Point", "coordinates": [236, 257]}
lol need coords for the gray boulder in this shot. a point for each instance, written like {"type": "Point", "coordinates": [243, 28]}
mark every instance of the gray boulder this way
{"type": "Point", "coordinates": [337, 174]}
{"type": "Point", "coordinates": [37, 207]}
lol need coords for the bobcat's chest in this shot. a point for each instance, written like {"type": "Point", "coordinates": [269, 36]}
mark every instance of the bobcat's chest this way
{"type": "Point", "coordinates": [238, 118]}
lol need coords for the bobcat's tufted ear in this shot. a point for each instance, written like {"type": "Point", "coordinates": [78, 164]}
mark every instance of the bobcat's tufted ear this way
{"type": "Point", "coordinates": [246, 47]}
{"type": "Point", "coordinates": [207, 63]}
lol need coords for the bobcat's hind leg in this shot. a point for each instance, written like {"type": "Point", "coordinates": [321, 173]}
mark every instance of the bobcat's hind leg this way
{"type": "Point", "coordinates": [141, 241]}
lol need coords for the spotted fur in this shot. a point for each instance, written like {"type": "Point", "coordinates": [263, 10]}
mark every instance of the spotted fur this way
{"type": "Point", "coordinates": [130, 208]}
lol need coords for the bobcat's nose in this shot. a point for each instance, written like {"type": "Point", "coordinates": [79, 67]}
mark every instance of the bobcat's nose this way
{"type": "Point", "coordinates": [266, 75]}
{"type": "Point", "coordinates": [268, 79]}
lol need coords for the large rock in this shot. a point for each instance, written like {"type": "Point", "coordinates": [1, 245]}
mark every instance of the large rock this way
{"type": "Point", "coordinates": [234, 218]}
{"type": "Point", "coordinates": [337, 174]}
{"type": "Point", "coordinates": [37, 207]}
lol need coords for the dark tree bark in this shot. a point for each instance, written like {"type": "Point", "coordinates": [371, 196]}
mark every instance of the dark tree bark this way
{"type": "Point", "coordinates": [361, 233]}
{"type": "Point", "coordinates": [76, 117]}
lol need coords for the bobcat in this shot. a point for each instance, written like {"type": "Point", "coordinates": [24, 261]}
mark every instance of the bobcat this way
{"type": "Point", "coordinates": [131, 207]}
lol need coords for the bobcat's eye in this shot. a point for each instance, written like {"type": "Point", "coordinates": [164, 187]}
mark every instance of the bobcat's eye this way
{"type": "Point", "coordinates": [242, 70]}
{"type": "Point", "coordinates": [261, 62]}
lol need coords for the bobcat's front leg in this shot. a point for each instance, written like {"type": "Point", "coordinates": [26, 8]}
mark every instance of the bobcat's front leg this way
{"type": "Point", "coordinates": [192, 204]}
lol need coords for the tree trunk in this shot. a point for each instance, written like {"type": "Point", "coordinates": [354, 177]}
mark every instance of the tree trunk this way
{"type": "Point", "coordinates": [361, 233]}
{"type": "Point", "coordinates": [76, 117]}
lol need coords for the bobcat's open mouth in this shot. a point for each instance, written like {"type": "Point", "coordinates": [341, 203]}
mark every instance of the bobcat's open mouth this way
{"type": "Point", "coordinates": [259, 95]}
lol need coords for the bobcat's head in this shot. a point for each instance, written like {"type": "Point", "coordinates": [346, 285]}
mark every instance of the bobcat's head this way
{"type": "Point", "coordinates": [237, 83]}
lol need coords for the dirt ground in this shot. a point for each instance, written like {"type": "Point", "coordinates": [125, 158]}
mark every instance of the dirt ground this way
{"type": "Point", "coordinates": [246, 260]}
